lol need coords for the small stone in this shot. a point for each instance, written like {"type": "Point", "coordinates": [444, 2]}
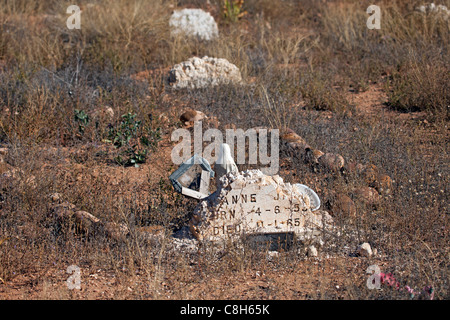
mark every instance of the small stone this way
{"type": "Point", "coordinates": [84, 215]}
{"type": "Point", "coordinates": [103, 112]}
{"type": "Point", "coordinates": [293, 141]}
{"type": "Point", "coordinates": [298, 146]}
{"type": "Point", "coordinates": [369, 174]}
{"type": "Point", "coordinates": [109, 112]}
{"type": "Point", "coordinates": [312, 155]}
{"type": "Point", "coordinates": [383, 184]}
{"type": "Point", "coordinates": [342, 205]}
{"type": "Point", "coordinates": [327, 219]}
{"type": "Point", "coordinates": [364, 250]}
{"type": "Point", "coordinates": [312, 251]}
{"type": "Point", "coordinates": [368, 195]}
{"type": "Point", "coordinates": [85, 221]}
{"type": "Point", "coordinates": [332, 161]}
{"type": "Point", "coordinates": [63, 210]}
{"type": "Point", "coordinates": [4, 167]}
{"type": "Point", "coordinates": [436, 9]}
{"type": "Point", "coordinates": [116, 231]}
{"type": "Point", "coordinates": [290, 136]}
{"type": "Point", "coordinates": [183, 245]}
{"type": "Point", "coordinates": [421, 8]}
{"type": "Point", "coordinates": [190, 116]}
{"type": "Point", "coordinates": [55, 197]}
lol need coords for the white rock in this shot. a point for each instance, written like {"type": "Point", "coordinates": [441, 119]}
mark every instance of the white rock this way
{"type": "Point", "coordinates": [365, 250]}
{"type": "Point", "coordinates": [272, 255]}
{"type": "Point", "coordinates": [442, 8]}
{"type": "Point", "coordinates": [203, 72]}
{"type": "Point", "coordinates": [312, 251]}
{"type": "Point", "coordinates": [55, 197]}
{"type": "Point", "coordinates": [109, 111]}
{"type": "Point", "coordinates": [183, 245]}
{"type": "Point", "coordinates": [421, 8]}
{"type": "Point", "coordinates": [224, 163]}
{"type": "Point", "coordinates": [432, 8]}
{"type": "Point", "coordinates": [194, 23]}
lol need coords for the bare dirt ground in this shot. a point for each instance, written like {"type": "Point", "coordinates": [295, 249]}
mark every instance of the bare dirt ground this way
{"type": "Point", "coordinates": [251, 284]}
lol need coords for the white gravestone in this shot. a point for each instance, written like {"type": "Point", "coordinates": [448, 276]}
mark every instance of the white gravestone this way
{"type": "Point", "coordinates": [251, 203]}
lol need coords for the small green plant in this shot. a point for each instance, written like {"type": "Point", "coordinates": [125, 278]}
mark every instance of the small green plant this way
{"type": "Point", "coordinates": [82, 119]}
{"type": "Point", "coordinates": [151, 137]}
{"type": "Point", "coordinates": [128, 128]}
{"type": "Point", "coordinates": [232, 10]}
{"type": "Point", "coordinates": [133, 140]}
{"type": "Point", "coordinates": [131, 156]}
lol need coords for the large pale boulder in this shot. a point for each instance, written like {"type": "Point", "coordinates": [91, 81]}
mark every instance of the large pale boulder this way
{"type": "Point", "coordinates": [193, 23]}
{"type": "Point", "coordinates": [203, 72]}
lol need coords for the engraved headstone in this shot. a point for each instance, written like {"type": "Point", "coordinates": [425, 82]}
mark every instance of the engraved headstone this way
{"type": "Point", "coordinates": [251, 203]}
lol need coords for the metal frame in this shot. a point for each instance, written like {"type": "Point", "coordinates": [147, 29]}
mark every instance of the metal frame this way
{"type": "Point", "coordinates": [207, 172]}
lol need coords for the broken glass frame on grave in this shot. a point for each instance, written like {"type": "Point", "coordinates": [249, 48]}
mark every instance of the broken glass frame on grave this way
{"type": "Point", "coordinates": [192, 177]}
